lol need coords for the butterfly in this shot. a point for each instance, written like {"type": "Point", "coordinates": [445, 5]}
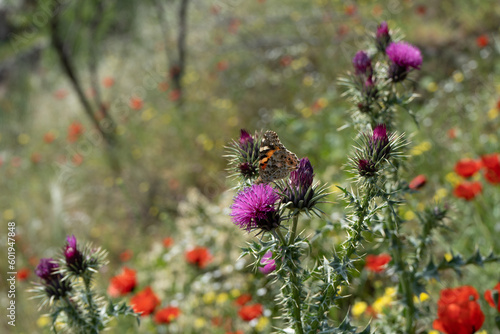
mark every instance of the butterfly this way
{"type": "Point", "coordinates": [275, 161]}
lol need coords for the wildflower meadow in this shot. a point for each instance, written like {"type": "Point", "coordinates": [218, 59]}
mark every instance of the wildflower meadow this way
{"type": "Point", "coordinates": [247, 167]}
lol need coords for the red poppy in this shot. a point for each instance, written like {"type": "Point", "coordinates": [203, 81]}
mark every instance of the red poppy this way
{"type": "Point", "coordinates": [36, 157]}
{"type": "Point", "coordinates": [458, 311]}
{"type": "Point", "coordinates": [108, 82]}
{"type": "Point", "coordinates": [49, 137]}
{"type": "Point", "coordinates": [377, 263]}
{"type": "Point", "coordinates": [168, 242]}
{"type": "Point", "coordinates": [418, 182]}
{"type": "Point", "coordinates": [421, 10]}
{"type": "Point", "coordinates": [488, 295]}
{"type": "Point", "coordinates": [235, 332]}
{"type": "Point", "coordinates": [123, 283]}
{"type": "Point", "coordinates": [250, 312]}
{"type": "Point", "coordinates": [350, 10]}
{"type": "Point", "coordinates": [75, 130]}
{"type": "Point", "coordinates": [468, 190]}
{"type": "Point", "coordinates": [243, 299]}
{"type": "Point", "coordinates": [467, 167]}
{"type": "Point", "coordinates": [199, 256]}
{"type": "Point", "coordinates": [167, 315]}
{"type": "Point", "coordinates": [452, 133]}
{"type": "Point", "coordinates": [136, 103]}
{"type": "Point", "coordinates": [285, 61]}
{"type": "Point", "coordinates": [222, 65]}
{"type": "Point", "coordinates": [492, 164]}
{"type": "Point", "coordinates": [490, 161]}
{"type": "Point", "coordinates": [126, 255]}
{"type": "Point", "coordinates": [174, 95]}
{"type": "Point", "coordinates": [145, 302]}
{"type": "Point", "coordinates": [492, 176]}
{"type": "Point", "coordinates": [22, 274]}
{"type": "Point", "coordinates": [482, 41]}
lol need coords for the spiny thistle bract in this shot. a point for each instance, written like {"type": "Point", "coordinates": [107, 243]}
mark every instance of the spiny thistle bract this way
{"type": "Point", "coordinates": [243, 157]}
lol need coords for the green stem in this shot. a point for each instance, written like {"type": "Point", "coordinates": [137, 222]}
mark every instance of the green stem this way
{"type": "Point", "coordinates": [293, 232]}
{"type": "Point", "coordinates": [277, 233]}
{"type": "Point", "coordinates": [75, 316]}
{"type": "Point", "coordinates": [93, 314]}
{"type": "Point", "coordinates": [323, 304]}
{"type": "Point", "coordinates": [297, 302]}
{"type": "Point", "coordinates": [397, 254]}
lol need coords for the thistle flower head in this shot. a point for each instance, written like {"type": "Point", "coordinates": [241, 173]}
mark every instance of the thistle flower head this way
{"type": "Point", "coordinates": [382, 37]}
{"type": "Point", "coordinates": [366, 168]}
{"type": "Point", "coordinates": [46, 269]}
{"type": "Point", "coordinates": [243, 155]}
{"type": "Point", "coordinates": [362, 63]}
{"type": "Point", "coordinates": [74, 258]}
{"type": "Point", "coordinates": [379, 143]}
{"type": "Point", "coordinates": [268, 264]}
{"type": "Point", "coordinates": [303, 176]}
{"type": "Point", "coordinates": [245, 139]}
{"type": "Point", "coordinates": [299, 193]}
{"type": "Point", "coordinates": [404, 57]}
{"type": "Point", "coordinates": [255, 208]}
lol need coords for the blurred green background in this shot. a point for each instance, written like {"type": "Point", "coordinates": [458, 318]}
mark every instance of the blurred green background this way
{"type": "Point", "coordinates": [114, 116]}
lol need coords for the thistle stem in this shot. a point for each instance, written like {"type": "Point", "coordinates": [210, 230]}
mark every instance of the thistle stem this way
{"type": "Point", "coordinates": [397, 252]}
{"type": "Point", "coordinates": [93, 314]}
{"type": "Point", "coordinates": [293, 232]}
{"type": "Point", "coordinates": [277, 233]}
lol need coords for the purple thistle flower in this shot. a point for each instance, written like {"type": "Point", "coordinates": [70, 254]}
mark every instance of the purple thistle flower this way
{"type": "Point", "coordinates": [268, 264]}
{"type": "Point", "coordinates": [55, 286]}
{"type": "Point", "coordinates": [245, 139]}
{"type": "Point", "coordinates": [382, 29]}
{"type": "Point", "coordinates": [46, 268]}
{"type": "Point", "coordinates": [299, 192]}
{"type": "Point", "coordinates": [379, 143]}
{"type": "Point", "coordinates": [382, 37]}
{"type": "Point", "coordinates": [366, 167]}
{"type": "Point", "coordinates": [404, 57]}
{"type": "Point", "coordinates": [362, 63]}
{"type": "Point", "coordinates": [74, 258]}
{"type": "Point", "coordinates": [303, 176]}
{"type": "Point", "coordinates": [254, 208]}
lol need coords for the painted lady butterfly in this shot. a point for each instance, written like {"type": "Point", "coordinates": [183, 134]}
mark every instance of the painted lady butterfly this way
{"type": "Point", "coordinates": [275, 161]}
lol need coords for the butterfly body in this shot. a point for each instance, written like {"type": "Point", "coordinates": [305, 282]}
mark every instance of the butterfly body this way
{"type": "Point", "coordinates": [275, 161]}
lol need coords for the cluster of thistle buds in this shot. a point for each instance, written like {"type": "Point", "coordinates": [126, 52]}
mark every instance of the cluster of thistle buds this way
{"type": "Point", "coordinates": [262, 206]}
{"type": "Point", "coordinates": [402, 58]}
{"type": "Point", "coordinates": [67, 289]}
